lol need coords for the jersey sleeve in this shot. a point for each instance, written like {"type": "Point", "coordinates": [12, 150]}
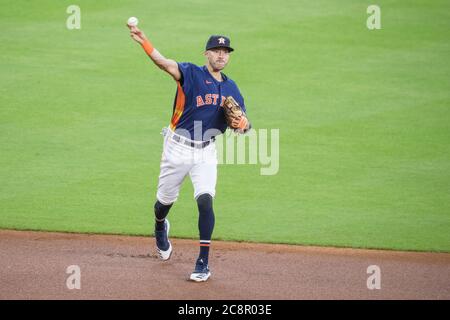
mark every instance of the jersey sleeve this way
{"type": "Point", "coordinates": [186, 70]}
{"type": "Point", "coordinates": [239, 98]}
{"type": "Point", "coordinates": [242, 104]}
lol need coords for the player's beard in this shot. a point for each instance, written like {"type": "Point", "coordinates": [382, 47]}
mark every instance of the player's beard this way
{"type": "Point", "coordinates": [218, 65]}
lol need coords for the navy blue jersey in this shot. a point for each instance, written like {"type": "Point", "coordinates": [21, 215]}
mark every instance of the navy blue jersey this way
{"type": "Point", "coordinates": [199, 100]}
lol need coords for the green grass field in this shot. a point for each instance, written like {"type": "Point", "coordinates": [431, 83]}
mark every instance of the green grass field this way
{"type": "Point", "coordinates": [363, 118]}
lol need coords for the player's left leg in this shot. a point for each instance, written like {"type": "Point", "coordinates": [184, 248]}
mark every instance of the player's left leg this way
{"type": "Point", "coordinates": [204, 177]}
{"type": "Point", "coordinates": [206, 220]}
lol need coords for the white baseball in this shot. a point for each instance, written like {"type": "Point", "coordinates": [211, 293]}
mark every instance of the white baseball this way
{"type": "Point", "coordinates": [133, 22]}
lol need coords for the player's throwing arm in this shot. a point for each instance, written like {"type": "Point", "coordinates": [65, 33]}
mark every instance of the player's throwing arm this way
{"type": "Point", "coordinates": [168, 65]}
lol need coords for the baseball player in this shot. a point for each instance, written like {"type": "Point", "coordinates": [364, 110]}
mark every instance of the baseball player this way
{"type": "Point", "coordinates": [203, 109]}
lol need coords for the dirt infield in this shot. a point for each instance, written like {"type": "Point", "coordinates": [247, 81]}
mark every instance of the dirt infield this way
{"type": "Point", "coordinates": [33, 265]}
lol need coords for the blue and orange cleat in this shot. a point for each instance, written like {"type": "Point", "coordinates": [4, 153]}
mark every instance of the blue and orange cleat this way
{"type": "Point", "coordinates": [163, 245]}
{"type": "Point", "coordinates": [201, 272]}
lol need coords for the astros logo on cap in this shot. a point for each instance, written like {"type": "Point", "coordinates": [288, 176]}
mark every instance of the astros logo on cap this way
{"type": "Point", "coordinates": [216, 41]}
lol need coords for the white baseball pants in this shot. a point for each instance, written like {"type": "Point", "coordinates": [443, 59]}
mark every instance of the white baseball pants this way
{"type": "Point", "coordinates": [178, 160]}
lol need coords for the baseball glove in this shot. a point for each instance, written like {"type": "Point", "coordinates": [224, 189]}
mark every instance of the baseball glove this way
{"type": "Point", "coordinates": [235, 116]}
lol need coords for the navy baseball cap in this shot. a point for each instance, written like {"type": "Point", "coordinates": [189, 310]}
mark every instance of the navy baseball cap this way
{"type": "Point", "coordinates": [216, 41]}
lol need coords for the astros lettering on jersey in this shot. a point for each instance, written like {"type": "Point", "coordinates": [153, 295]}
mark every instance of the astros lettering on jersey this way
{"type": "Point", "coordinates": [197, 100]}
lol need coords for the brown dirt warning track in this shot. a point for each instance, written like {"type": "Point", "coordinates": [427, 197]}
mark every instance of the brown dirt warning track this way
{"type": "Point", "coordinates": [33, 266]}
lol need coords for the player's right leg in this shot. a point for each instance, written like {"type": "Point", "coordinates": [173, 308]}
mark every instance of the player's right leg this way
{"type": "Point", "coordinates": [172, 174]}
{"type": "Point", "coordinates": [162, 226]}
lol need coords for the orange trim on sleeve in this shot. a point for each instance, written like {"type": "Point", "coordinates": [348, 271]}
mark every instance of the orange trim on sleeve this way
{"type": "Point", "coordinates": [148, 47]}
{"type": "Point", "coordinates": [179, 107]}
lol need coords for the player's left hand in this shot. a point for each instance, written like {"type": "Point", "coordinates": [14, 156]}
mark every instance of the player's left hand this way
{"type": "Point", "coordinates": [240, 123]}
{"type": "Point", "coordinates": [235, 122]}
